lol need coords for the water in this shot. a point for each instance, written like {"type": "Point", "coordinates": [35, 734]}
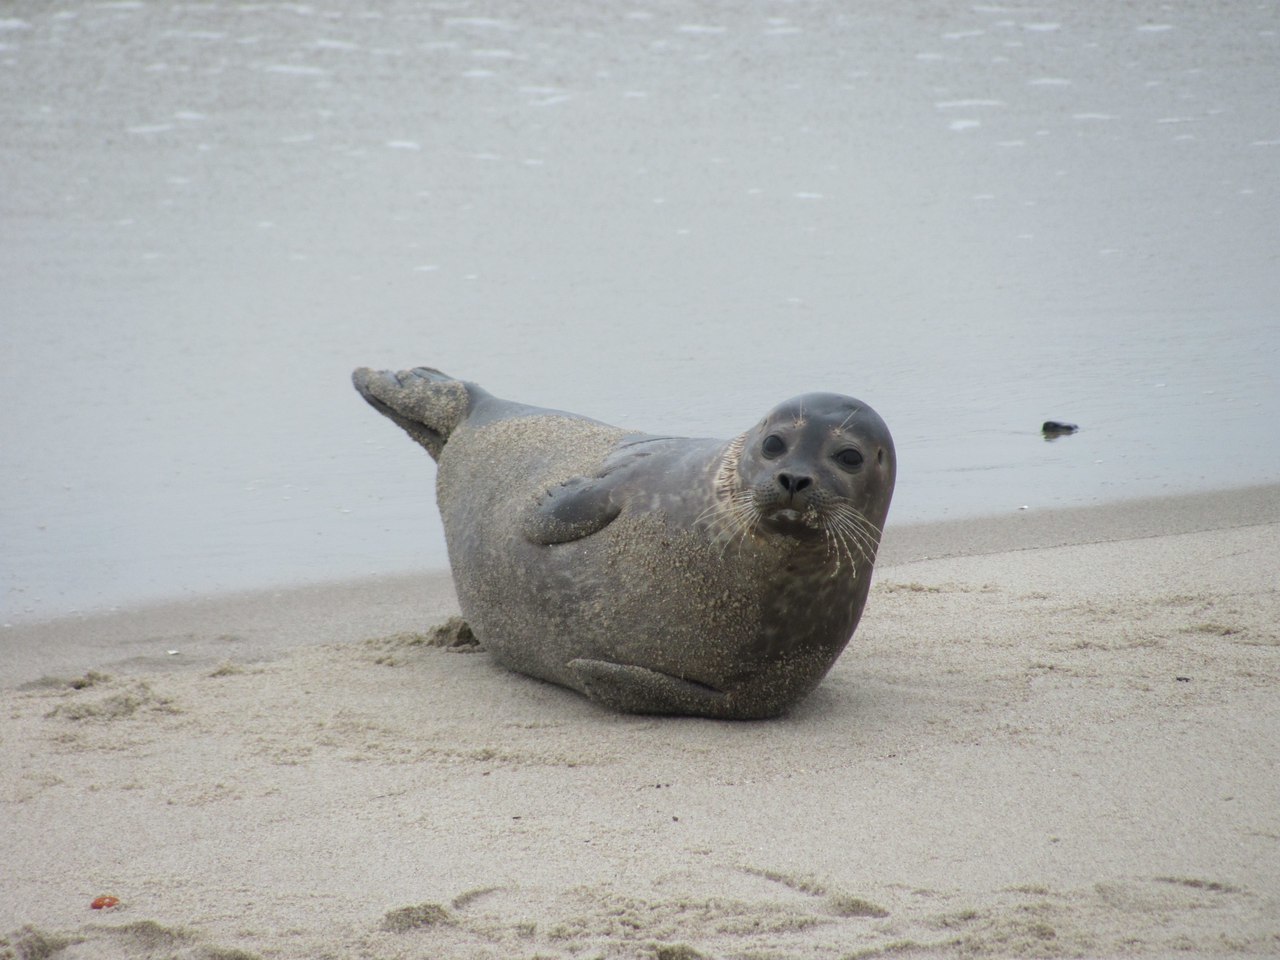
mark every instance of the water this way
{"type": "Point", "coordinates": [664, 215]}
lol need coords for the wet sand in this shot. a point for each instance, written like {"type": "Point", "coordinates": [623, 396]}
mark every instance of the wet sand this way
{"type": "Point", "coordinates": [1053, 735]}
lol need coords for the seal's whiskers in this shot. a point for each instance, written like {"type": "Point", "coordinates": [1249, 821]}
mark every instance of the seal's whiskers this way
{"type": "Point", "coordinates": [855, 530]}
{"type": "Point", "coordinates": [849, 419]}
{"type": "Point", "coordinates": [837, 546]}
{"type": "Point", "coordinates": [731, 519]}
{"type": "Point", "coordinates": [850, 513]}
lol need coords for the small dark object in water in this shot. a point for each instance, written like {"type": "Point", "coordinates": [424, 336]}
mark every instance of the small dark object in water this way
{"type": "Point", "coordinates": [1052, 429]}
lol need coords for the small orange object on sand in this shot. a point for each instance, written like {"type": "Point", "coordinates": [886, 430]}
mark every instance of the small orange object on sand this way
{"type": "Point", "coordinates": [104, 903]}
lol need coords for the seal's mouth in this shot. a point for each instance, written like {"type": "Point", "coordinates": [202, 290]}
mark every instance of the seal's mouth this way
{"type": "Point", "coordinates": [794, 523]}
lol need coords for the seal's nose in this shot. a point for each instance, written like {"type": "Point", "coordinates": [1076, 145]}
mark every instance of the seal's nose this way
{"type": "Point", "coordinates": [793, 484]}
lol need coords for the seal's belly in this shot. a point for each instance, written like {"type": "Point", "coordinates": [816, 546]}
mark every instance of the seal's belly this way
{"type": "Point", "coordinates": [644, 593]}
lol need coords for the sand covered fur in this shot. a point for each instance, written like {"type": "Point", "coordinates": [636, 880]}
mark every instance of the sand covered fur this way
{"type": "Point", "coordinates": [1052, 752]}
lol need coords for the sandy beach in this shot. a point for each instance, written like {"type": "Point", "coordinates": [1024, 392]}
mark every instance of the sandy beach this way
{"type": "Point", "coordinates": [1054, 735]}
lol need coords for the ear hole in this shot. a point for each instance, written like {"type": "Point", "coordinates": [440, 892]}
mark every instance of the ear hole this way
{"type": "Point", "coordinates": [880, 455]}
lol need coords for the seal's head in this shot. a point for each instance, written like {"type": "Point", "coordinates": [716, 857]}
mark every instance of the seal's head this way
{"type": "Point", "coordinates": [817, 467]}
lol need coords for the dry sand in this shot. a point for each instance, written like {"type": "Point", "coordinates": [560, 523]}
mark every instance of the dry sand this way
{"type": "Point", "coordinates": [1060, 739]}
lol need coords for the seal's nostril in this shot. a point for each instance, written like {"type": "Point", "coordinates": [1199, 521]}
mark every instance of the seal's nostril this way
{"type": "Point", "coordinates": [793, 484]}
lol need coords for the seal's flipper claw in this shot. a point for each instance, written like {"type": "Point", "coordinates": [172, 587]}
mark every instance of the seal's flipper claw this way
{"type": "Point", "coordinates": [633, 689]}
{"type": "Point", "coordinates": [577, 508]}
{"type": "Point", "coordinates": [425, 373]}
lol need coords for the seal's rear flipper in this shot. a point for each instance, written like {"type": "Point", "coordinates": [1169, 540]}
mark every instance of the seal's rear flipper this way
{"type": "Point", "coordinates": [427, 404]}
{"type": "Point", "coordinates": [633, 689]}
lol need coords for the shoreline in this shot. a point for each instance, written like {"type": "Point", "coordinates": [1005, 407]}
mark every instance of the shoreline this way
{"type": "Point", "coordinates": [1058, 743]}
{"type": "Point", "coordinates": [1117, 520]}
{"type": "Point", "coordinates": [261, 623]}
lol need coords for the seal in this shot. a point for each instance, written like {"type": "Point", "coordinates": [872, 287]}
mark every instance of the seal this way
{"type": "Point", "coordinates": [654, 574]}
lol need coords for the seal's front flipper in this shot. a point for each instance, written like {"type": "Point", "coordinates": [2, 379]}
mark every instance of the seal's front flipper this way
{"type": "Point", "coordinates": [425, 403]}
{"type": "Point", "coordinates": [577, 508]}
{"type": "Point", "coordinates": [633, 689]}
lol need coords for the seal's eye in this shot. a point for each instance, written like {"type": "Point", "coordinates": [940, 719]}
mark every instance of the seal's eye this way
{"type": "Point", "coordinates": [773, 446]}
{"type": "Point", "coordinates": [849, 458]}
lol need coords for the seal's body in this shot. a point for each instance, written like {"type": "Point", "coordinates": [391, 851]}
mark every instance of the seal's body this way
{"type": "Point", "coordinates": [654, 574]}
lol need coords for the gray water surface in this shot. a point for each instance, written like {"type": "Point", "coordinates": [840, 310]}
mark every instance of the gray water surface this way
{"type": "Point", "coordinates": [665, 215]}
